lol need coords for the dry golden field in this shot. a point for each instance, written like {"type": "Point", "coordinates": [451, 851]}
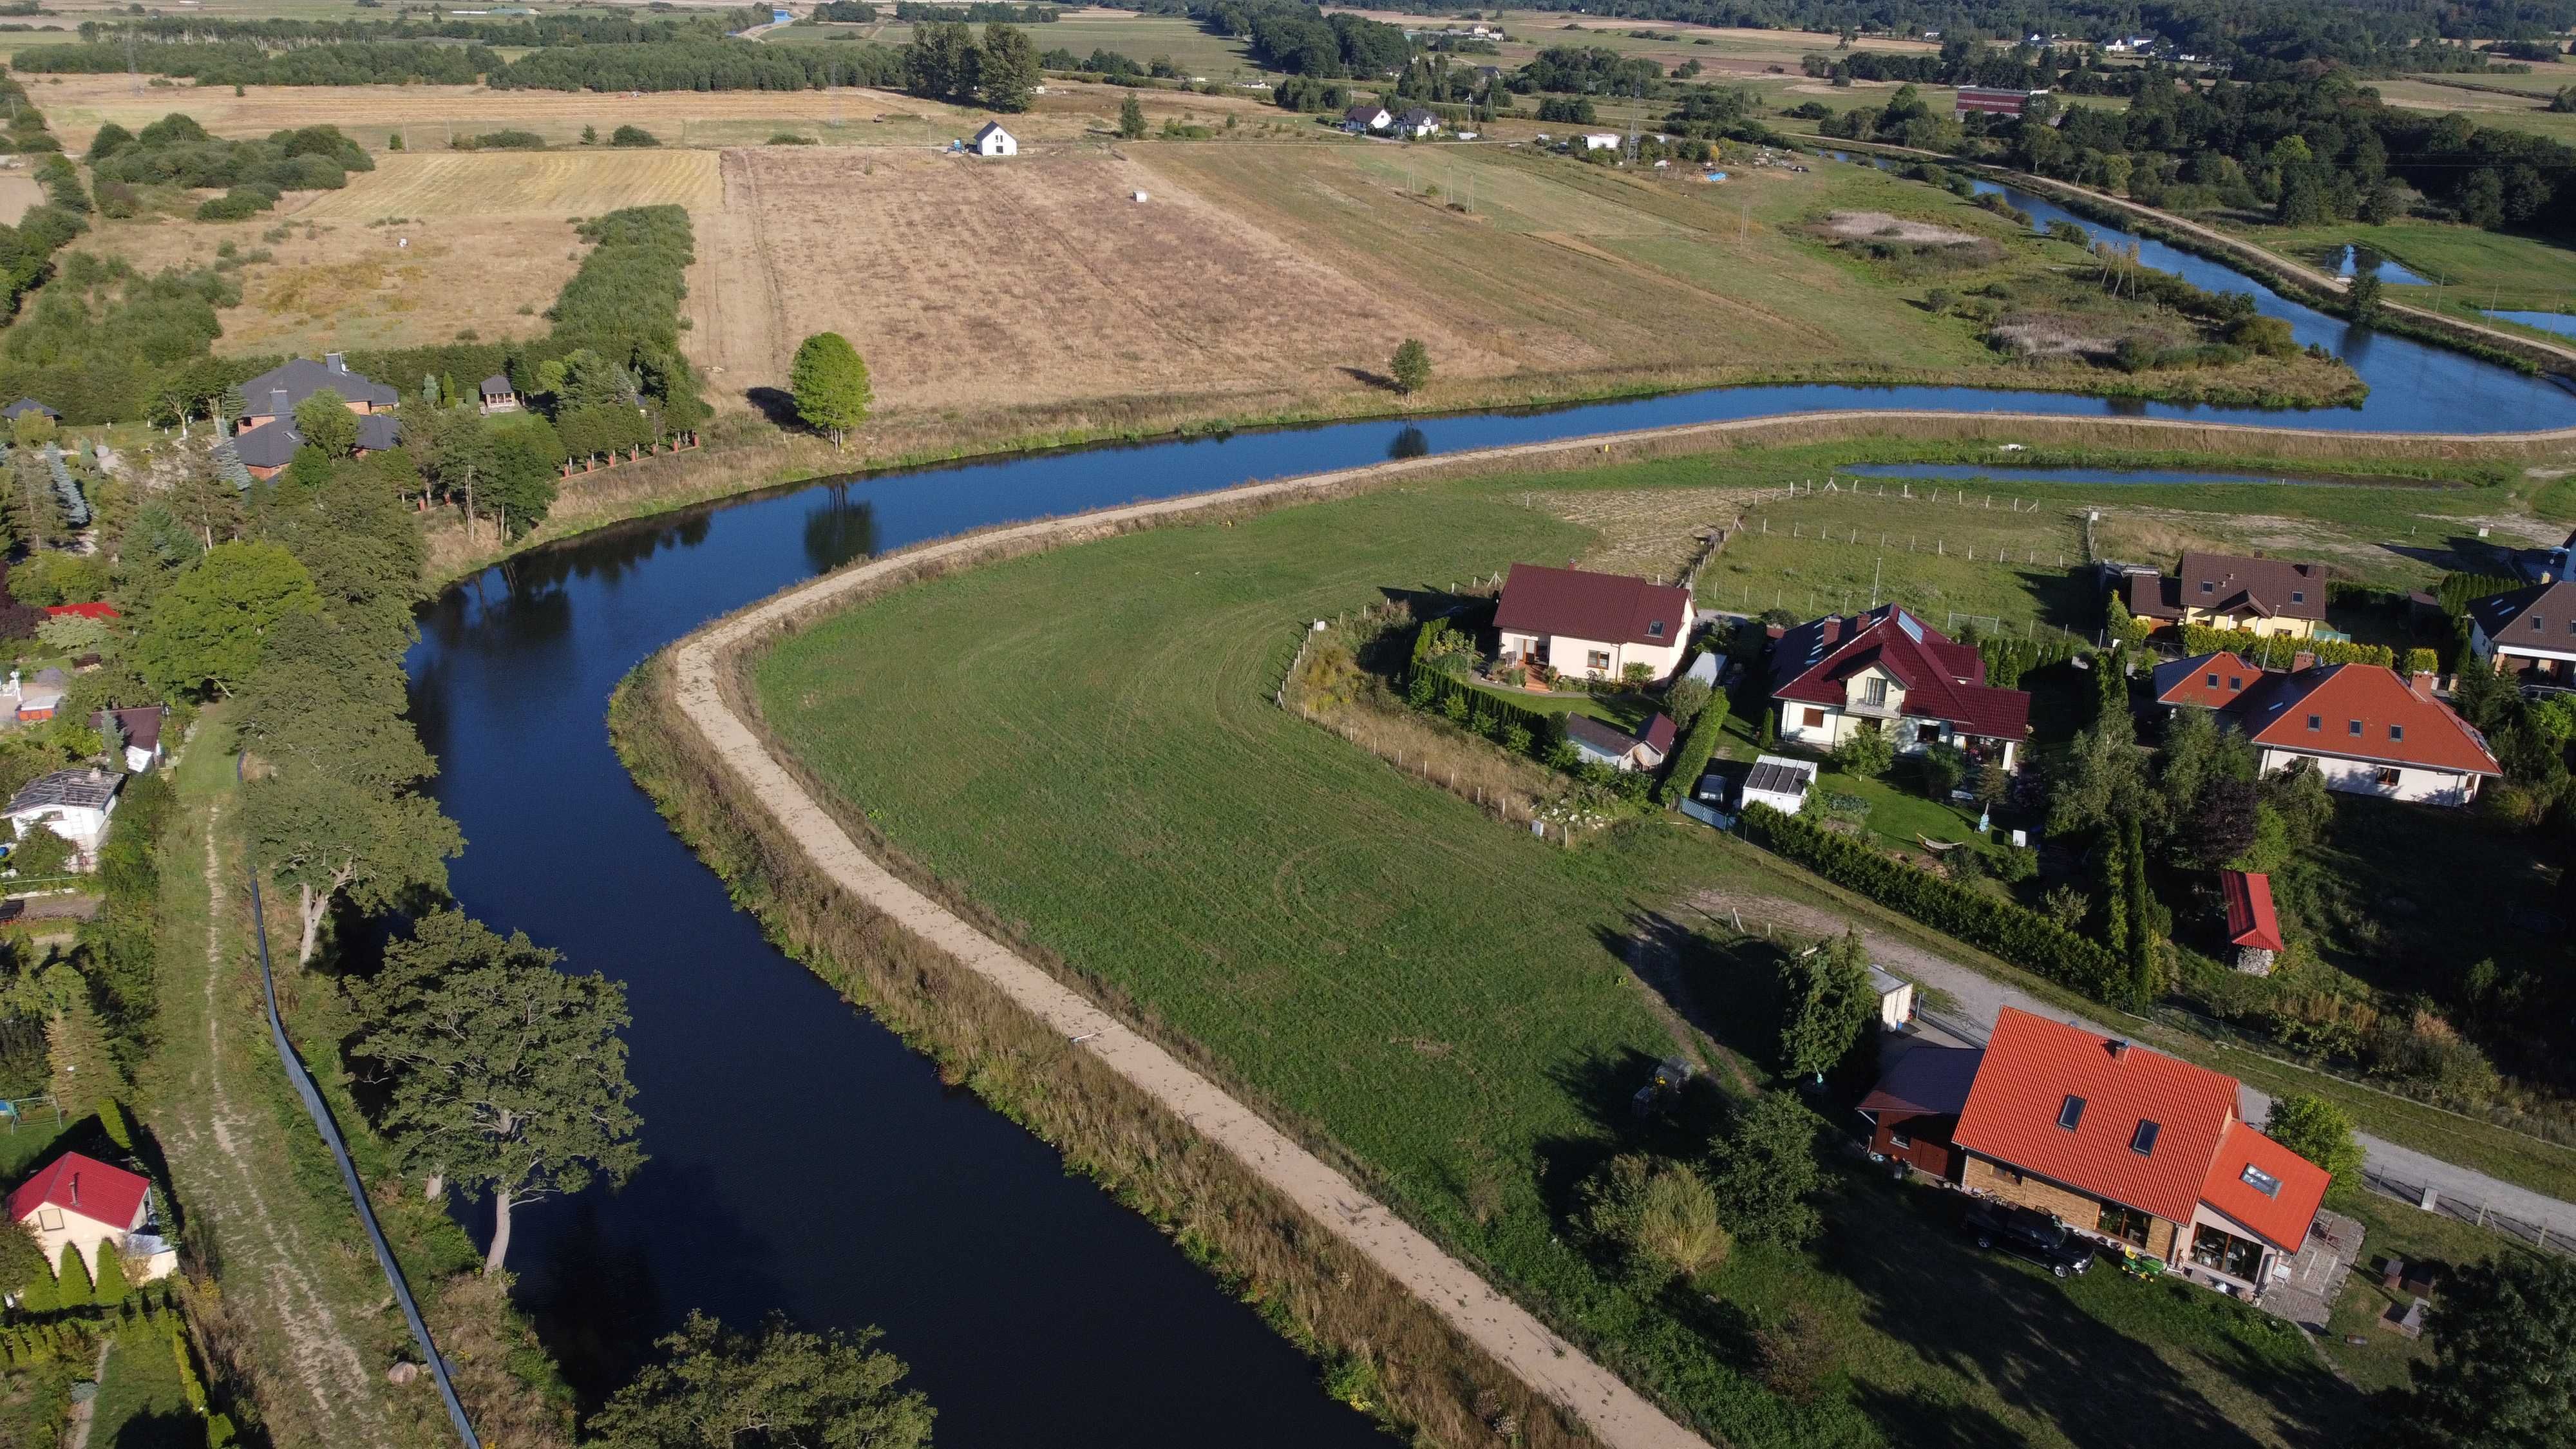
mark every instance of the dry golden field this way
{"type": "Point", "coordinates": [18, 191]}
{"type": "Point", "coordinates": [978, 286]}
{"type": "Point", "coordinates": [520, 183]}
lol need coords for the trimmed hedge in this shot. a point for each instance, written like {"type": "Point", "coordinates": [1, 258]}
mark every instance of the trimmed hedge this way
{"type": "Point", "coordinates": [2247, 645]}
{"type": "Point", "coordinates": [1697, 746]}
{"type": "Point", "coordinates": [2023, 937]}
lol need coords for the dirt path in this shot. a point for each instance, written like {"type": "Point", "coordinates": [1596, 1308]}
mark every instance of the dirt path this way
{"type": "Point", "coordinates": [1615, 1413]}
{"type": "Point", "coordinates": [322, 1393]}
{"type": "Point", "coordinates": [85, 1413]}
{"type": "Point", "coordinates": [738, 316]}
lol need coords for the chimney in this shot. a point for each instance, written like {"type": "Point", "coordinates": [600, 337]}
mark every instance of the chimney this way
{"type": "Point", "coordinates": [75, 1189]}
{"type": "Point", "coordinates": [2424, 683]}
{"type": "Point", "coordinates": [277, 403]}
{"type": "Point", "coordinates": [337, 362]}
{"type": "Point", "coordinates": [2303, 660]}
{"type": "Point", "coordinates": [2119, 1048]}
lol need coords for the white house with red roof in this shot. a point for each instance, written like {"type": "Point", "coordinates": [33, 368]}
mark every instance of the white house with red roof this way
{"type": "Point", "coordinates": [2130, 1146]}
{"type": "Point", "coordinates": [1592, 626]}
{"type": "Point", "coordinates": [2367, 729]}
{"type": "Point", "coordinates": [98, 1208]}
{"type": "Point", "coordinates": [1889, 669]}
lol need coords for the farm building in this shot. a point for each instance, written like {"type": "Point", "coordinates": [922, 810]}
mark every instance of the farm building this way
{"type": "Point", "coordinates": [1597, 626]}
{"type": "Point", "coordinates": [994, 141]}
{"type": "Point", "coordinates": [1891, 671]}
{"type": "Point", "coordinates": [1990, 101]}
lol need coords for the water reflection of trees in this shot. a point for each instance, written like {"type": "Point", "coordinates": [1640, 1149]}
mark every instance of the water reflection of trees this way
{"type": "Point", "coordinates": [838, 529]}
{"type": "Point", "coordinates": [1411, 442]}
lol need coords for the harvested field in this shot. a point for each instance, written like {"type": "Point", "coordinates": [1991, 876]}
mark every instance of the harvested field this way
{"type": "Point", "coordinates": [557, 184]}
{"type": "Point", "coordinates": [1879, 224]}
{"type": "Point", "coordinates": [993, 286]}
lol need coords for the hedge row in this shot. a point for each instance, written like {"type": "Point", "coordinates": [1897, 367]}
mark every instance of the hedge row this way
{"type": "Point", "coordinates": [2021, 936]}
{"type": "Point", "coordinates": [1692, 758]}
{"type": "Point", "coordinates": [1431, 690]}
{"type": "Point", "coordinates": [2244, 643]}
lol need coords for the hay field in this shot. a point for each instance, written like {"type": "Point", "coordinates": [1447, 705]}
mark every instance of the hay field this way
{"type": "Point", "coordinates": [482, 244]}
{"type": "Point", "coordinates": [1040, 283]}
{"type": "Point", "coordinates": [425, 115]}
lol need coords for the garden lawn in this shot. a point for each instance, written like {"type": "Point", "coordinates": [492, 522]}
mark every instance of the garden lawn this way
{"type": "Point", "coordinates": [1098, 762]}
{"type": "Point", "coordinates": [140, 1404]}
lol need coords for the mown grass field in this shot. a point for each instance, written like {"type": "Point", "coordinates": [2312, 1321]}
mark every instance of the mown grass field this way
{"type": "Point", "coordinates": [2467, 262]}
{"type": "Point", "coordinates": [1097, 758]}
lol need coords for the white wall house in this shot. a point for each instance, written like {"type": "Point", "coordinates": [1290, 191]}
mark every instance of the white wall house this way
{"type": "Point", "coordinates": [1889, 671]}
{"type": "Point", "coordinates": [1592, 626]}
{"type": "Point", "coordinates": [1599, 141]}
{"type": "Point", "coordinates": [95, 1207]}
{"type": "Point", "coordinates": [2528, 633]}
{"type": "Point", "coordinates": [2368, 731]}
{"type": "Point", "coordinates": [74, 804]}
{"type": "Point", "coordinates": [994, 141]}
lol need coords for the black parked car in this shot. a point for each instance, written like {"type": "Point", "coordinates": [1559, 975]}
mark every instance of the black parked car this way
{"type": "Point", "coordinates": [2029, 1233]}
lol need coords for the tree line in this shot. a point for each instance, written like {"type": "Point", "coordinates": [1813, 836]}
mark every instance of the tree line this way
{"type": "Point", "coordinates": [701, 65]}
{"type": "Point", "coordinates": [245, 62]}
{"type": "Point", "coordinates": [571, 29]}
{"type": "Point", "coordinates": [944, 62]}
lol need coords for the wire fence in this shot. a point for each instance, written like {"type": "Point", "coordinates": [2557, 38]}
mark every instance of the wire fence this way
{"type": "Point", "coordinates": [320, 1112]}
{"type": "Point", "coordinates": [2476, 1213]}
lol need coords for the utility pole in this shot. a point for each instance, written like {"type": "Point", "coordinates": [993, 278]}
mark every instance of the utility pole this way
{"type": "Point", "coordinates": [132, 78]}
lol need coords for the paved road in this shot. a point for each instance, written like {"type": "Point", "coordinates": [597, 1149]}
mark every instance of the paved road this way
{"type": "Point", "coordinates": [1980, 998]}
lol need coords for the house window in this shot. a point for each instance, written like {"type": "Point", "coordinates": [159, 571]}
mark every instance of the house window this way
{"type": "Point", "coordinates": [2208, 587]}
{"type": "Point", "coordinates": [2261, 1181]}
{"type": "Point", "coordinates": [2315, 723]}
{"type": "Point", "coordinates": [2535, 623]}
{"type": "Point", "coordinates": [2070, 1112]}
{"type": "Point", "coordinates": [1596, 659]}
{"type": "Point", "coordinates": [2229, 1254]}
{"type": "Point", "coordinates": [1815, 719]}
{"type": "Point", "coordinates": [2385, 777]}
{"type": "Point", "coordinates": [2298, 596]}
{"type": "Point", "coordinates": [1655, 630]}
{"type": "Point", "coordinates": [2397, 732]}
{"type": "Point", "coordinates": [2143, 1141]}
{"type": "Point", "coordinates": [49, 1219]}
{"type": "Point", "coordinates": [1873, 691]}
{"type": "Point", "coordinates": [2213, 681]}
{"type": "Point", "coordinates": [1899, 1138]}
{"type": "Point", "coordinates": [2127, 1224]}
{"type": "Point", "coordinates": [2235, 681]}
{"type": "Point", "coordinates": [2353, 728]}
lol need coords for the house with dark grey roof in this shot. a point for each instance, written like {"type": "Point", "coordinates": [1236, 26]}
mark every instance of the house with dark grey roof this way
{"type": "Point", "coordinates": [274, 393]}
{"type": "Point", "coordinates": [2528, 633]}
{"type": "Point", "coordinates": [74, 804]}
{"type": "Point", "coordinates": [25, 405]}
{"type": "Point", "coordinates": [1417, 123]}
{"type": "Point", "coordinates": [139, 727]}
{"type": "Point", "coordinates": [1602, 743]}
{"type": "Point", "coordinates": [1593, 626]}
{"type": "Point", "coordinates": [1889, 670]}
{"type": "Point", "coordinates": [500, 395]}
{"type": "Point", "coordinates": [1364, 118]}
{"type": "Point", "coordinates": [267, 449]}
{"type": "Point", "coordinates": [2267, 596]}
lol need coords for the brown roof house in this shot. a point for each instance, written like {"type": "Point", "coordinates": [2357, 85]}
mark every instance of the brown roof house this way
{"type": "Point", "coordinates": [2128, 1145]}
{"type": "Point", "coordinates": [1890, 669]}
{"type": "Point", "coordinates": [2233, 591]}
{"type": "Point", "coordinates": [1607, 744]}
{"type": "Point", "coordinates": [1594, 626]}
{"type": "Point", "coordinates": [2529, 633]}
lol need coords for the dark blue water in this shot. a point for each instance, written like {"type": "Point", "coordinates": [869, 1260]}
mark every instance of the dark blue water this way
{"type": "Point", "coordinates": [2558, 322]}
{"type": "Point", "coordinates": [2388, 269]}
{"type": "Point", "coordinates": [802, 1159]}
{"type": "Point", "coordinates": [2006, 473]}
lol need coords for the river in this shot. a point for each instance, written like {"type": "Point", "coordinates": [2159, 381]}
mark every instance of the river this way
{"type": "Point", "coordinates": [802, 1159]}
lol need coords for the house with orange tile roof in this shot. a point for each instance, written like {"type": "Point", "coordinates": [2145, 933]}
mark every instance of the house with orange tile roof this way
{"type": "Point", "coordinates": [2368, 730]}
{"type": "Point", "coordinates": [2132, 1147]}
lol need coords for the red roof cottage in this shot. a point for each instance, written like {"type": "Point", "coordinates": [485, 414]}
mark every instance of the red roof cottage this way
{"type": "Point", "coordinates": [1892, 669]}
{"type": "Point", "coordinates": [2128, 1145]}
{"type": "Point", "coordinates": [1590, 625]}
{"type": "Point", "coordinates": [2368, 730]}
{"type": "Point", "coordinates": [101, 1209]}
{"type": "Point", "coordinates": [2252, 926]}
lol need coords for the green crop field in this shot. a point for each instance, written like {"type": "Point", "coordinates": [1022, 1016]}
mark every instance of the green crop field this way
{"type": "Point", "coordinates": [1441, 995]}
{"type": "Point", "coordinates": [2480, 264]}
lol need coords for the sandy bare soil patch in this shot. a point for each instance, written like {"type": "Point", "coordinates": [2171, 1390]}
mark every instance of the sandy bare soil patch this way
{"type": "Point", "coordinates": [1881, 226]}
{"type": "Point", "coordinates": [18, 191]}
{"type": "Point", "coordinates": [2442, 542]}
{"type": "Point", "coordinates": [1032, 282]}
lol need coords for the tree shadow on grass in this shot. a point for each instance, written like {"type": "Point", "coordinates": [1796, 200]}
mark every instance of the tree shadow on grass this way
{"type": "Point", "coordinates": [161, 1429]}
{"type": "Point", "coordinates": [776, 405]}
{"type": "Point", "coordinates": [1986, 1318]}
{"type": "Point", "coordinates": [1378, 380]}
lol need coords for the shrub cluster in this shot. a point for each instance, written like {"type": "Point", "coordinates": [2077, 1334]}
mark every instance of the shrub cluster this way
{"type": "Point", "coordinates": [2199, 639]}
{"type": "Point", "coordinates": [1697, 746]}
{"type": "Point", "coordinates": [701, 65]}
{"type": "Point", "coordinates": [176, 151]}
{"type": "Point", "coordinates": [247, 63]}
{"type": "Point", "coordinates": [2021, 936]}
{"type": "Point", "coordinates": [500, 141]}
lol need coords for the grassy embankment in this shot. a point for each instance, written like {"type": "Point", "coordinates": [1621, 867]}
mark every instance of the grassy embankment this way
{"type": "Point", "coordinates": [1474, 1059]}
{"type": "Point", "coordinates": [303, 1317]}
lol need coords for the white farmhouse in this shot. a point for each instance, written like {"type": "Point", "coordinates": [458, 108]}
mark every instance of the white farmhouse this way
{"type": "Point", "coordinates": [1890, 670]}
{"type": "Point", "coordinates": [994, 141]}
{"type": "Point", "coordinates": [95, 1207]}
{"type": "Point", "coordinates": [1599, 140]}
{"type": "Point", "coordinates": [1594, 626]}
